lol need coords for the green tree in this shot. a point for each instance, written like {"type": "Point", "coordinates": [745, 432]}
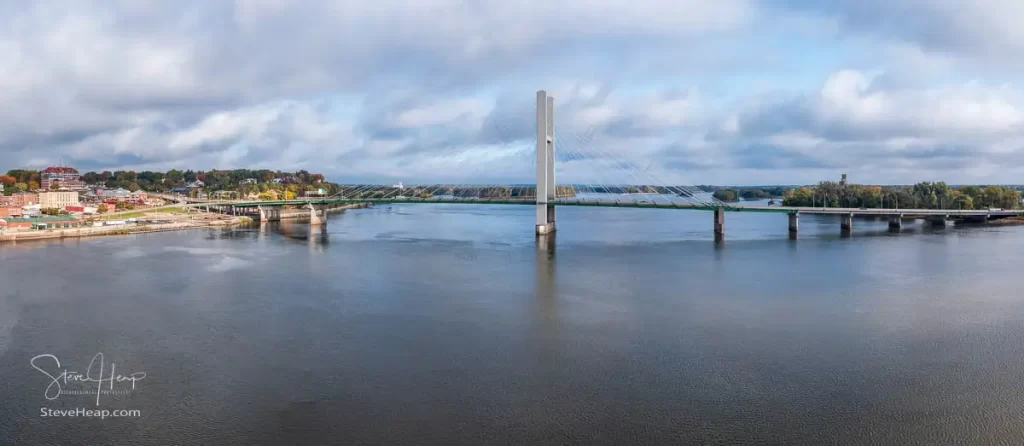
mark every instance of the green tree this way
{"type": "Point", "coordinates": [91, 178]}
{"type": "Point", "coordinates": [726, 195]}
{"type": "Point", "coordinates": [175, 178]}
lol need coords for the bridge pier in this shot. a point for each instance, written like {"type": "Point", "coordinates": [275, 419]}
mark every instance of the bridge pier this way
{"type": "Point", "coordinates": [794, 223]}
{"type": "Point", "coordinates": [719, 224]}
{"type": "Point", "coordinates": [896, 221]}
{"type": "Point", "coordinates": [846, 223]}
{"type": "Point", "coordinates": [269, 213]}
{"type": "Point", "coordinates": [938, 221]}
{"type": "Point", "coordinates": [317, 219]}
{"type": "Point", "coordinates": [545, 163]}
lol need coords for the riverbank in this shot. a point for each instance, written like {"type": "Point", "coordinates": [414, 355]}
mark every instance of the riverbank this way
{"type": "Point", "coordinates": [99, 231]}
{"type": "Point", "coordinates": [180, 221]}
{"type": "Point", "coordinates": [1009, 221]}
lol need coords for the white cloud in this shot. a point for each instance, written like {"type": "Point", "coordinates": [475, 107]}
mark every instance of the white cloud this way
{"type": "Point", "coordinates": [394, 88]}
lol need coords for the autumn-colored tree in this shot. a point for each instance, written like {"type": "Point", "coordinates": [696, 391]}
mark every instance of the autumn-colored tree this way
{"type": "Point", "coordinates": [8, 181]}
{"type": "Point", "coordinates": [103, 208]}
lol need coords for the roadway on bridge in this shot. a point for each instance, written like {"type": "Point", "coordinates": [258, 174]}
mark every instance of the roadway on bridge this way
{"type": "Point", "coordinates": [640, 204]}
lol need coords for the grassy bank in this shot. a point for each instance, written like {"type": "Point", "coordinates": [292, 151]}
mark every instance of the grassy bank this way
{"type": "Point", "coordinates": [142, 213]}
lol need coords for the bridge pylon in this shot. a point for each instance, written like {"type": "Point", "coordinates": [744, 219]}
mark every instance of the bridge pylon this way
{"type": "Point", "coordinates": [545, 163]}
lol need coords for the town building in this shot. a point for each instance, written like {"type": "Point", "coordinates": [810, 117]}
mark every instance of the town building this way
{"type": "Point", "coordinates": [57, 200]}
{"type": "Point", "coordinates": [138, 196]}
{"type": "Point", "coordinates": [118, 194]}
{"type": "Point", "coordinates": [65, 178]}
{"type": "Point", "coordinates": [43, 223]}
{"type": "Point", "coordinates": [32, 210]}
{"type": "Point", "coordinates": [10, 212]}
{"type": "Point", "coordinates": [245, 181]}
{"type": "Point", "coordinates": [19, 200]}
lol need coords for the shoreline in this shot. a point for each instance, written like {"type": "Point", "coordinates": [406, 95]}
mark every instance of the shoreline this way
{"type": "Point", "coordinates": [1008, 221]}
{"type": "Point", "coordinates": [104, 231]}
{"type": "Point", "coordinates": [221, 221]}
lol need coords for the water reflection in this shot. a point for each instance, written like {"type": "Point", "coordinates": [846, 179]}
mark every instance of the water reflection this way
{"type": "Point", "coordinates": [546, 266]}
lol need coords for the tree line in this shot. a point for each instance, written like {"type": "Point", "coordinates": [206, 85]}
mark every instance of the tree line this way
{"type": "Point", "coordinates": [732, 195]}
{"type": "Point", "coordinates": [19, 180]}
{"type": "Point", "coordinates": [925, 195]}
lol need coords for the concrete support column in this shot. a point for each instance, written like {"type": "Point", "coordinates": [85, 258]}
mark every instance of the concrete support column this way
{"type": "Point", "coordinates": [896, 221]}
{"type": "Point", "coordinates": [315, 218]}
{"type": "Point", "coordinates": [846, 223]}
{"type": "Point", "coordinates": [545, 222]}
{"type": "Point", "coordinates": [269, 213]}
{"type": "Point", "coordinates": [794, 222]}
{"type": "Point", "coordinates": [938, 221]}
{"type": "Point", "coordinates": [719, 224]}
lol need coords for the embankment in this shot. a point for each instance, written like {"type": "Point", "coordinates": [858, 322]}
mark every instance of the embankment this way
{"type": "Point", "coordinates": [100, 231]}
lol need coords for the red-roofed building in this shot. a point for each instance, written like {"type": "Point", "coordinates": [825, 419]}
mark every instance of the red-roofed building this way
{"type": "Point", "coordinates": [65, 177]}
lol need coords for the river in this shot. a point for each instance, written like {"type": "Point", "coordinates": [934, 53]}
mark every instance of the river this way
{"type": "Point", "coordinates": [453, 324]}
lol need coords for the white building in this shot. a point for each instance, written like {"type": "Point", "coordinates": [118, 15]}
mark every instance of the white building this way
{"type": "Point", "coordinates": [399, 186]}
{"type": "Point", "coordinates": [57, 200]}
{"type": "Point", "coordinates": [31, 210]}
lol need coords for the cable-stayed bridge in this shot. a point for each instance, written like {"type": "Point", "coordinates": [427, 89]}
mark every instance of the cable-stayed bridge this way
{"type": "Point", "coordinates": [646, 189]}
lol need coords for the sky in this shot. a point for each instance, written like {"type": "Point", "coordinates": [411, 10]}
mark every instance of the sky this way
{"type": "Point", "coordinates": [443, 91]}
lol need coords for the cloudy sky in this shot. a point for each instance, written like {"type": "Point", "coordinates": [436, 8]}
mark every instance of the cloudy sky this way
{"type": "Point", "coordinates": [651, 91]}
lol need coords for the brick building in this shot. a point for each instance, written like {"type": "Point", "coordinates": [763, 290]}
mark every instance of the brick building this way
{"type": "Point", "coordinates": [65, 177]}
{"type": "Point", "coordinates": [10, 212]}
{"type": "Point", "coordinates": [19, 200]}
{"type": "Point", "coordinates": [42, 223]}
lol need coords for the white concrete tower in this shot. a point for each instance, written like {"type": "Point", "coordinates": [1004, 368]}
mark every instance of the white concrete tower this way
{"type": "Point", "coordinates": [545, 163]}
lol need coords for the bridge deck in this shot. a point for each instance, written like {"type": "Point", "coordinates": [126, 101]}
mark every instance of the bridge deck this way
{"type": "Point", "coordinates": [640, 204]}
